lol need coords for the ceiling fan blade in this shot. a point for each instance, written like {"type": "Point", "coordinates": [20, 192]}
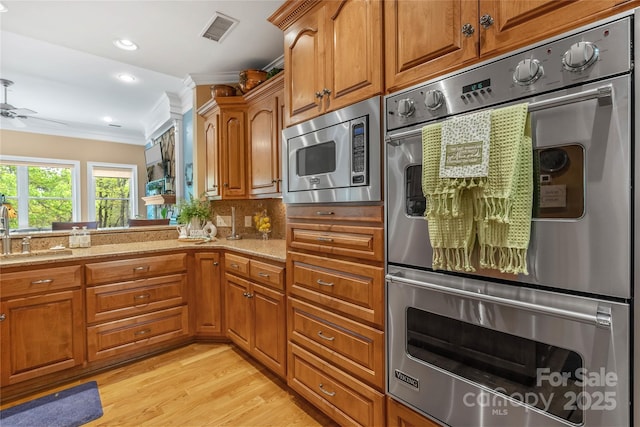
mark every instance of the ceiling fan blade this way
{"type": "Point", "coordinates": [42, 119]}
{"type": "Point", "coordinates": [22, 111]}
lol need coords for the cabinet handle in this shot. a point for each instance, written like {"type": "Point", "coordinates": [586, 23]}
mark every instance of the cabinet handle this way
{"type": "Point", "coordinates": [324, 213]}
{"type": "Point", "coordinates": [324, 239]}
{"type": "Point", "coordinates": [142, 296]}
{"type": "Point", "coordinates": [141, 268]}
{"type": "Point", "coordinates": [319, 95]}
{"type": "Point", "coordinates": [328, 393]}
{"type": "Point", "coordinates": [234, 265]}
{"type": "Point", "coordinates": [273, 181]}
{"type": "Point", "coordinates": [42, 282]}
{"type": "Point", "coordinates": [244, 294]}
{"type": "Point", "coordinates": [142, 332]}
{"type": "Point", "coordinates": [323, 283]}
{"type": "Point", "coordinates": [2, 317]}
{"type": "Point", "coordinates": [468, 30]}
{"type": "Point", "coordinates": [215, 263]}
{"type": "Point", "coordinates": [214, 186]}
{"type": "Point", "coordinates": [486, 21]}
{"type": "Point", "coordinates": [326, 91]}
{"type": "Point", "coordinates": [324, 337]}
{"type": "Point", "coordinates": [226, 184]}
{"type": "Point", "coordinates": [249, 295]}
{"type": "Point", "coordinates": [261, 274]}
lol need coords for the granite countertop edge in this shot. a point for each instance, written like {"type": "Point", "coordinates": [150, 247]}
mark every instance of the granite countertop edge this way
{"type": "Point", "coordinates": [274, 249]}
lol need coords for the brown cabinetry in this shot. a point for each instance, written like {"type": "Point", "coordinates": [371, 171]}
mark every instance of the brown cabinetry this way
{"type": "Point", "coordinates": [399, 415]}
{"type": "Point", "coordinates": [255, 309]}
{"type": "Point", "coordinates": [264, 126]}
{"type": "Point", "coordinates": [208, 294]}
{"type": "Point", "coordinates": [332, 54]}
{"type": "Point", "coordinates": [212, 165]}
{"type": "Point", "coordinates": [135, 303]}
{"type": "Point", "coordinates": [335, 303]}
{"type": "Point", "coordinates": [41, 322]}
{"type": "Point", "coordinates": [426, 39]}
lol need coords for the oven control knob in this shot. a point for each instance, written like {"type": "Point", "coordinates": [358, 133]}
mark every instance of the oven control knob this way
{"type": "Point", "coordinates": [433, 99]}
{"type": "Point", "coordinates": [406, 108]}
{"type": "Point", "coordinates": [527, 72]}
{"type": "Point", "coordinates": [580, 56]}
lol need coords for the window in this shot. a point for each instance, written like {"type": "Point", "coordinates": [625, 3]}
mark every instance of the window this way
{"type": "Point", "coordinates": [112, 194]}
{"type": "Point", "coordinates": [40, 190]}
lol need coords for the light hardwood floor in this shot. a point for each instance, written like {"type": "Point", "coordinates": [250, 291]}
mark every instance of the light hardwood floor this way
{"type": "Point", "coordinates": [197, 385]}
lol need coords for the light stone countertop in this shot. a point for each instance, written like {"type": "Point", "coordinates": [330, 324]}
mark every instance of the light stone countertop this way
{"type": "Point", "coordinates": [271, 249]}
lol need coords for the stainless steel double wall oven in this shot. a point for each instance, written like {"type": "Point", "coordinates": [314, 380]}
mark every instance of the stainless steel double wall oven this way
{"type": "Point", "coordinates": [554, 347]}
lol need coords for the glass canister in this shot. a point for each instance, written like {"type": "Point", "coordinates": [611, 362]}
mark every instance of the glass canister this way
{"type": "Point", "coordinates": [263, 223]}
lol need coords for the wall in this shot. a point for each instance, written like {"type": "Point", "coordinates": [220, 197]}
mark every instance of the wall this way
{"type": "Point", "coordinates": [275, 209]}
{"type": "Point", "coordinates": [13, 143]}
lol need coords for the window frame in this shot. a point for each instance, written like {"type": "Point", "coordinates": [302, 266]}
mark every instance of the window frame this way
{"type": "Point", "coordinates": [23, 186]}
{"type": "Point", "coordinates": [91, 187]}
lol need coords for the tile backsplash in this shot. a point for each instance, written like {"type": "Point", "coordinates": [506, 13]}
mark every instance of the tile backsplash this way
{"type": "Point", "coordinates": [275, 209]}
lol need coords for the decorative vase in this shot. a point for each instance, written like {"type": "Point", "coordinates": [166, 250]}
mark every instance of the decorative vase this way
{"type": "Point", "coordinates": [210, 229]}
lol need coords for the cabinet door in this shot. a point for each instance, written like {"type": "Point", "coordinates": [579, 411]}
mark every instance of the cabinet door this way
{"type": "Point", "coordinates": [424, 39]}
{"type": "Point", "coordinates": [40, 335]}
{"type": "Point", "coordinates": [233, 154]}
{"type": "Point", "coordinates": [399, 415]}
{"type": "Point", "coordinates": [353, 54]}
{"type": "Point", "coordinates": [304, 65]}
{"type": "Point", "coordinates": [208, 301]}
{"type": "Point", "coordinates": [264, 146]}
{"type": "Point", "coordinates": [211, 129]}
{"type": "Point", "coordinates": [269, 334]}
{"type": "Point", "coordinates": [237, 309]}
{"type": "Point", "coordinates": [517, 23]}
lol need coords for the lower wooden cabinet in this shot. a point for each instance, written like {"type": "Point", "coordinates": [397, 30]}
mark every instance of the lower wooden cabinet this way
{"type": "Point", "coordinates": [208, 295]}
{"type": "Point", "coordinates": [399, 415]}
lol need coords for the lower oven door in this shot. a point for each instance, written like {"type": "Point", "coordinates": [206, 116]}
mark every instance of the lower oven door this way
{"type": "Point", "coordinates": [471, 353]}
{"type": "Point", "coordinates": [580, 237]}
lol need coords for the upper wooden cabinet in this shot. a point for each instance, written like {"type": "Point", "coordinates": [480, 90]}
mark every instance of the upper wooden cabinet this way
{"type": "Point", "coordinates": [225, 140]}
{"type": "Point", "coordinates": [264, 126]}
{"type": "Point", "coordinates": [332, 54]}
{"type": "Point", "coordinates": [431, 38]}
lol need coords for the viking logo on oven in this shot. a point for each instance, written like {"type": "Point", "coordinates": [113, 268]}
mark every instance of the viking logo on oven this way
{"type": "Point", "coordinates": [413, 382]}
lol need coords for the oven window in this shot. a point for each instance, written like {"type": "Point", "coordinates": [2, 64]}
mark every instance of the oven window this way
{"type": "Point", "coordinates": [559, 184]}
{"type": "Point", "coordinates": [542, 375]}
{"type": "Point", "coordinates": [316, 159]}
{"type": "Point", "coordinates": [415, 201]}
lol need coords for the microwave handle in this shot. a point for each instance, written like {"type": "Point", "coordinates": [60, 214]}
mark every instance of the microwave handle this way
{"type": "Point", "coordinates": [602, 317]}
{"type": "Point", "coordinates": [603, 94]}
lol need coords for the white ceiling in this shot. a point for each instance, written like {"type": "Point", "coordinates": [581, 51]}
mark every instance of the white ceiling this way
{"type": "Point", "coordinates": [61, 57]}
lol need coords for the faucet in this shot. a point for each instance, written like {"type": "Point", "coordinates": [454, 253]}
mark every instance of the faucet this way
{"type": "Point", "coordinates": [4, 230]}
{"type": "Point", "coordinates": [234, 235]}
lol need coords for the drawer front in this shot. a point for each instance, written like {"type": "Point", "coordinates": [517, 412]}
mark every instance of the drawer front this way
{"type": "Point", "coordinates": [135, 268]}
{"type": "Point", "coordinates": [327, 213]}
{"type": "Point", "coordinates": [236, 264]}
{"type": "Point", "coordinates": [350, 241]}
{"type": "Point", "coordinates": [345, 399]}
{"type": "Point", "coordinates": [136, 333]}
{"type": "Point", "coordinates": [354, 289]}
{"type": "Point", "coordinates": [41, 280]}
{"type": "Point", "coordinates": [107, 302]}
{"type": "Point", "coordinates": [268, 274]}
{"type": "Point", "coordinates": [354, 347]}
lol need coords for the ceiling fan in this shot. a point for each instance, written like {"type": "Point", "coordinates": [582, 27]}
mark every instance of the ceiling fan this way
{"type": "Point", "coordinates": [10, 112]}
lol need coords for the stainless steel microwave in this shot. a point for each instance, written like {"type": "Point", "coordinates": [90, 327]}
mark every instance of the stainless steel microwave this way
{"type": "Point", "coordinates": [334, 157]}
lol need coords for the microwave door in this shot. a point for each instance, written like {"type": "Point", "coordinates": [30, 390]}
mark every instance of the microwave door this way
{"type": "Point", "coordinates": [320, 160]}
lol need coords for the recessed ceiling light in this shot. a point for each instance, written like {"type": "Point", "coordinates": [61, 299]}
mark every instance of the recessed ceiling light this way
{"type": "Point", "coordinates": [128, 78]}
{"type": "Point", "coordinates": [107, 119]}
{"type": "Point", "coordinates": [3, 8]}
{"type": "Point", "coordinates": [125, 44]}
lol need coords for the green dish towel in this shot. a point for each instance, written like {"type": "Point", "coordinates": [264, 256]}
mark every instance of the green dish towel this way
{"type": "Point", "coordinates": [498, 211]}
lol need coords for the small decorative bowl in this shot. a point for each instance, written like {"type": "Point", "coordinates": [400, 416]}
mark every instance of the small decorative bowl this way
{"type": "Point", "coordinates": [251, 78]}
{"type": "Point", "coordinates": [218, 91]}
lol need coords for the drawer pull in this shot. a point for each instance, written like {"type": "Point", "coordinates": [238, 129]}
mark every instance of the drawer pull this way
{"type": "Point", "coordinates": [324, 239]}
{"type": "Point", "coordinates": [142, 332]}
{"type": "Point", "coordinates": [324, 337]}
{"type": "Point", "coordinates": [244, 294]}
{"type": "Point", "coordinates": [328, 393]}
{"type": "Point", "coordinates": [261, 274]}
{"type": "Point", "coordinates": [2, 317]}
{"type": "Point", "coordinates": [42, 282]}
{"type": "Point", "coordinates": [215, 263]}
{"type": "Point", "coordinates": [142, 296]}
{"type": "Point", "coordinates": [141, 268]}
{"type": "Point", "coordinates": [249, 295]}
{"type": "Point", "coordinates": [324, 213]}
{"type": "Point", "coordinates": [234, 265]}
{"type": "Point", "coordinates": [323, 283]}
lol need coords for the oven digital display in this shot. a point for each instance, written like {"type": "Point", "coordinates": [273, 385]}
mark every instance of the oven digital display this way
{"type": "Point", "coordinates": [476, 86]}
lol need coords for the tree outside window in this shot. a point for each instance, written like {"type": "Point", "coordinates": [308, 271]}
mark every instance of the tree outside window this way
{"type": "Point", "coordinates": [112, 194]}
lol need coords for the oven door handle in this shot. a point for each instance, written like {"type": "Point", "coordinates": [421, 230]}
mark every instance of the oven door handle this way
{"type": "Point", "coordinates": [603, 94]}
{"type": "Point", "coordinates": [601, 318]}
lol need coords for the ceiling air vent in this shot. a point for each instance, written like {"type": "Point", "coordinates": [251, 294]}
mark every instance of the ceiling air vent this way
{"type": "Point", "coordinates": [219, 27]}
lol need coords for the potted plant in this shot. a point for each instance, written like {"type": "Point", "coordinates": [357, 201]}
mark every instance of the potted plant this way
{"type": "Point", "coordinates": [194, 211]}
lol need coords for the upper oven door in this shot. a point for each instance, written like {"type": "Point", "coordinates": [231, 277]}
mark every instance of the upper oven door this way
{"type": "Point", "coordinates": [580, 238]}
{"type": "Point", "coordinates": [320, 159]}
